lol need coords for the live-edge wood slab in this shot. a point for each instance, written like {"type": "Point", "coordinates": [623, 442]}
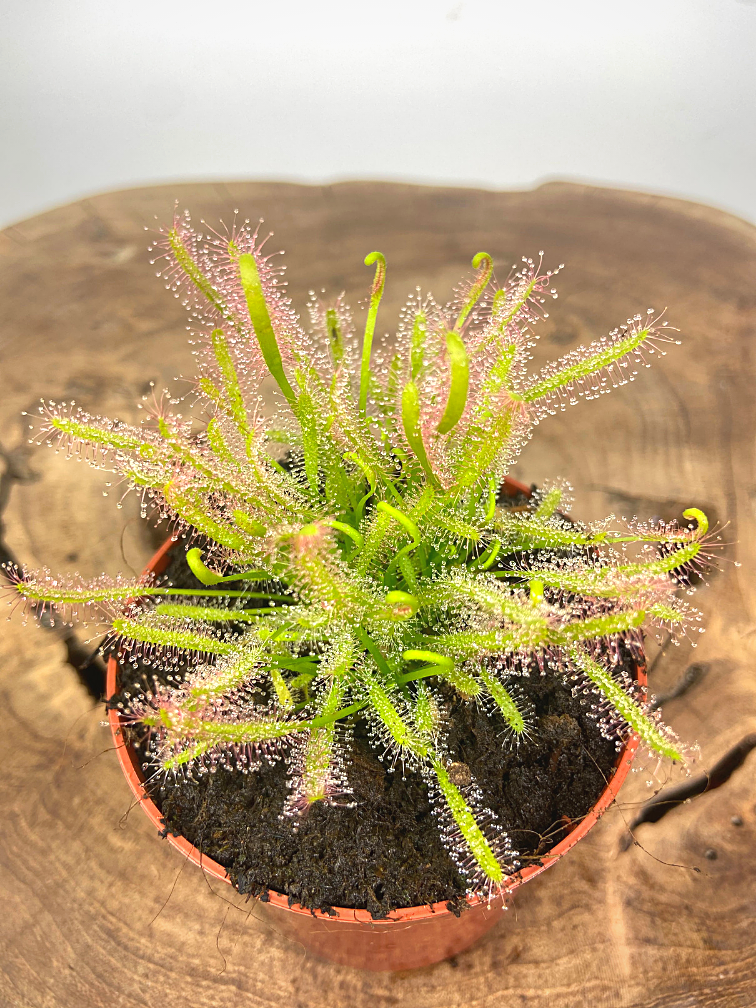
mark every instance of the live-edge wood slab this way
{"type": "Point", "coordinates": [96, 910]}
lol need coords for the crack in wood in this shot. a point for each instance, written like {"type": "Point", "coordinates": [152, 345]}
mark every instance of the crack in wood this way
{"type": "Point", "coordinates": [87, 664]}
{"type": "Point", "coordinates": [655, 809]}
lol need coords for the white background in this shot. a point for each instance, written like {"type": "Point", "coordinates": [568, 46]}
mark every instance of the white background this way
{"type": "Point", "coordinates": [655, 95]}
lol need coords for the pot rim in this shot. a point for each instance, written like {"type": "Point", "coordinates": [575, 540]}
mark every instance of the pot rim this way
{"type": "Point", "coordinates": [132, 770]}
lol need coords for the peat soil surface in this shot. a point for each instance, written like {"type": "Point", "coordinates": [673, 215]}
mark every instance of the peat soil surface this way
{"type": "Point", "coordinates": [385, 851]}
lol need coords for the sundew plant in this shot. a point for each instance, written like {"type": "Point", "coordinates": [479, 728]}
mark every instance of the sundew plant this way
{"type": "Point", "coordinates": [354, 549]}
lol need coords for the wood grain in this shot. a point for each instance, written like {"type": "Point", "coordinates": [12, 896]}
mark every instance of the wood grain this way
{"type": "Point", "coordinates": [96, 910]}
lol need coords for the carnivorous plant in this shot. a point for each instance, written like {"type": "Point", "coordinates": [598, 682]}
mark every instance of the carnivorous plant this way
{"type": "Point", "coordinates": [353, 547]}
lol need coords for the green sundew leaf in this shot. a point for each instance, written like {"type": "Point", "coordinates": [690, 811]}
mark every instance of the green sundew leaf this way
{"type": "Point", "coordinates": [407, 524]}
{"type": "Point", "coordinates": [319, 722]}
{"type": "Point", "coordinates": [400, 732]}
{"type": "Point", "coordinates": [458, 384]}
{"type": "Point", "coordinates": [491, 509]}
{"type": "Point", "coordinates": [214, 394]}
{"type": "Point", "coordinates": [488, 597]}
{"type": "Point", "coordinates": [499, 299]}
{"type": "Point", "coordinates": [468, 827]}
{"type": "Point", "coordinates": [187, 640]}
{"type": "Point", "coordinates": [233, 397]}
{"type": "Point", "coordinates": [630, 712]}
{"type": "Point", "coordinates": [412, 431]}
{"type": "Point", "coordinates": [610, 582]}
{"type": "Point", "coordinates": [495, 384]}
{"type": "Point", "coordinates": [318, 579]}
{"type": "Point", "coordinates": [465, 684]}
{"type": "Point", "coordinates": [375, 653]}
{"type": "Point", "coordinates": [208, 577]}
{"type": "Point", "coordinates": [284, 437]}
{"type": "Point", "coordinates": [426, 711]}
{"type": "Point", "coordinates": [338, 661]}
{"type": "Point", "coordinates": [417, 345]}
{"type": "Point", "coordinates": [536, 634]}
{"type": "Point", "coordinates": [356, 431]}
{"type": "Point", "coordinates": [443, 666]}
{"type": "Point", "coordinates": [584, 583]}
{"type": "Point", "coordinates": [229, 673]}
{"type": "Point", "coordinates": [369, 474]}
{"type": "Point", "coordinates": [483, 445]}
{"type": "Point", "coordinates": [282, 690]}
{"type": "Point", "coordinates": [599, 626]}
{"type": "Point", "coordinates": [534, 533]}
{"type": "Point", "coordinates": [306, 416]}
{"type": "Point", "coordinates": [193, 273]}
{"type": "Point", "coordinates": [392, 383]}
{"type": "Point", "coordinates": [583, 369]}
{"type": "Point", "coordinates": [457, 527]}
{"type": "Point", "coordinates": [218, 445]}
{"type": "Point", "coordinates": [667, 613]}
{"type": "Point", "coordinates": [198, 568]}
{"type": "Point", "coordinates": [285, 633]}
{"type": "Point", "coordinates": [520, 303]}
{"type": "Point", "coordinates": [376, 294]}
{"type": "Point", "coordinates": [365, 467]}
{"type": "Point", "coordinates": [498, 303]}
{"type": "Point", "coordinates": [335, 338]}
{"type": "Point", "coordinates": [488, 559]}
{"type": "Point", "coordinates": [397, 606]}
{"type": "Point", "coordinates": [701, 520]}
{"type": "Point", "coordinates": [339, 489]}
{"type": "Point", "coordinates": [184, 450]}
{"type": "Point", "coordinates": [302, 680]}
{"type": "Point", "coordinates": [408, 572]}
{"type": "Point", "coordinates": [250, 731]}
{"type": "Point", "coordinates": [139, 480]}
{"type": "Point", "coordinates": [307, 666]}
{"type": "Point", "coordinates": [187, 507]}
{"type": "Point", "coordinates": [504, 701]}
{"type": "Point", "coordinates": [441, 661]}
{"type": "Point", "coordinates": [357, 538]}
{"type": "Point", "coordinates": [548, 504]}
{"type": "Point", "coordinates": [210, 614]}
{"type": "Point", "coordinates": [470, 644]}
{"type": "Point", "coordinates": [249, 525]}
{"type": "Point", "coordinates": [64, 595]}
{"type": "Point", "coordinates": [318, 754]}
{"type": "Point", "coordinates": [212, 733]}
{"type": "Point", "coordinates": [490, 424]}
{"type": "Point", "coordinates": [221, 593]}
{"type": "Point", "coordinates": [380, 531]}
{"type": "Point", "coordinates": [118, 440]}
{"type": "Point", "coordinates": [261, 323]}
{"type": "Point", "coordinates": [483, 260]}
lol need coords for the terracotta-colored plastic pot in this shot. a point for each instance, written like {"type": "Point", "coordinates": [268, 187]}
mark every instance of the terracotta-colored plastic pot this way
{"type": "Point", "coordinates": [412, 936]}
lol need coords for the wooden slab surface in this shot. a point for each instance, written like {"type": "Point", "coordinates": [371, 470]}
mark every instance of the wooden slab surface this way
{"type": "Point", "coordinates": [96, 910]}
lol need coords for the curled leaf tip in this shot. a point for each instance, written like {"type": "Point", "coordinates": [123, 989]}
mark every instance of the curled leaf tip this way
{"type": "Point", "coordinates": [372, 257]}
{"type": "Point", "coordinates": [700, 518]}
{"type": "Point", "coordinates": [400, 605]}
{"type": "Point", "coordinates": [380, 272]}
{"type": "Point", "coordinates": [376, 293]}
{"type": "Point", "coordinates": [484, 262]}
{"type": "Point", "coordinates": [198, 568]}
{"type": "Point", "coordinates": [482, 257]}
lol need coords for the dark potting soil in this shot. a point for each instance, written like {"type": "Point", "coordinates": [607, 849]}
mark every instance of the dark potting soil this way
{"type": "Point", "coordinates": [385, 852]}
